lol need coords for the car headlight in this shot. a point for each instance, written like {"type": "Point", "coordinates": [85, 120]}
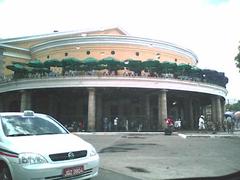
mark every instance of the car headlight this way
{"type": "Point", "coordinates": [93, 152]}
{"type": "Point", "coordinates": [31, 158]}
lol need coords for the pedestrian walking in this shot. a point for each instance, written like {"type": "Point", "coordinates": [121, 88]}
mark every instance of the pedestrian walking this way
{"type": "Point", "coordinates": [140, 127]}
{"type": "Point", "coordinates": [224, 125]}
{"type": "Point", "coordinates": [230, 124]}
{"type": "Point", "coordinates": [115, 123]}
{"type": "Point", "coordinates": [177, 124]}
{"type": "Point", "coordinates": [169, 123]}
{"type": "Point", "coordinates": [126, 125]}
{"type": "Point", "coordinates": [201, 123]}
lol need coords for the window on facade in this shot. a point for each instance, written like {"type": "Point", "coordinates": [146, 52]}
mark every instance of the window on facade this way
{"type": "Point", "coordinates": [88, 52]}
{"type": "Point", "coordinates": [48, 57]}
{"type": "Point", "coordinates": [175, 60]}
{"type": "Point", "coordinates": [112, 52]}
{"type": "Point", "coordinates": [137, 53]}
{"type": "Point", "coordinates": [66, 54]}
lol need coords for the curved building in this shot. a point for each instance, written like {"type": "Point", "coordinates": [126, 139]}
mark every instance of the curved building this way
{"type": "Point", "coordinates": [141, 99]}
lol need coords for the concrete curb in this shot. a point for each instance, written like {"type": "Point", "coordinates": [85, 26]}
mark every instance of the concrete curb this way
{"type": "Point", "coordinates": [120, 133]}
{"type": "Point", "coordinates": [182, 135]}
{"type": "Point", "coordinates": [208, 135]}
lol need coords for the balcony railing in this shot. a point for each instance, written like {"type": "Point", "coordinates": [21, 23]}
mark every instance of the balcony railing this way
{"type": "Point", "coordinates": [68, 74]}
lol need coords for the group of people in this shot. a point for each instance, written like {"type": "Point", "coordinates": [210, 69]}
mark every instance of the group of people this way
{"type": "Point", "coordinates": [171, 125]}
{"type": "Point", "coordinates": [108, 125]}
{"type": "Point", "coordinates": [228, 124]}
{"type": "Point", "coordinates": [116, 124]}
{"type": "Point", "coordinates": [75, 126]}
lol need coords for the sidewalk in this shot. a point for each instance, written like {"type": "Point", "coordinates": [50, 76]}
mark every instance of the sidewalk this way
{"type": "Point", "coordinates": [190, 134]}
{"type": "Point", "coordinates": [183, 134]}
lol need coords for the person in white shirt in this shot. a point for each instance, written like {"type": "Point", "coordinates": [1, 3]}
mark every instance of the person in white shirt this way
{"type": "Point", "coordinates": [177, 123]}
{"type": "Point", "coordinates": [115, 123]}
{"type": "Point", "coordinates": [201, 123]}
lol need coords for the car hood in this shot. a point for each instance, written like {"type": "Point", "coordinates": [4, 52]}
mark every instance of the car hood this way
{"type": "Point", "coordinates": [49, 144]}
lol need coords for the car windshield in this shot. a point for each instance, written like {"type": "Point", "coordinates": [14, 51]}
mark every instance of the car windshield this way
{"type": "Point", "coordinates": [16, 125]}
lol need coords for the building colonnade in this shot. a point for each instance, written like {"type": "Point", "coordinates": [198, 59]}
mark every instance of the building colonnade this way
{"type": "Point", "coordinates": [154, 115]}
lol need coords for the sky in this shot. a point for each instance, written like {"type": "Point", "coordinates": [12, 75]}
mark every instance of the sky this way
{"type": "Point", "coordinates": [210, 28]}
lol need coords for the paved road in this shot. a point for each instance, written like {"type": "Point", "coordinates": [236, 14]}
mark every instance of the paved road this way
{"type": "Point", "coordinates": [155, 156]}
{"type": "Point", "coordinates": [110, 175]}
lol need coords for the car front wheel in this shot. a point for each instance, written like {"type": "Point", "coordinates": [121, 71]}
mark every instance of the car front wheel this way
{"type": "Point", "coordinates": [5, 173]}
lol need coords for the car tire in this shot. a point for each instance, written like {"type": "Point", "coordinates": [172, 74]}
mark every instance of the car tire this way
{"type": "Point", "coordinates": [5, 173]}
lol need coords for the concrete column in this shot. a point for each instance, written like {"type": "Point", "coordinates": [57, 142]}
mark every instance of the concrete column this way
{"type": "Point", "coordinates": [223, 111]}
{"type": "Point", "coordinates": [162, 109]}
{"type": "Point", "coordinates": [214, 110]}
{"type": "Point", "coordinates": [91, 109]}
{"type": "Point", "coordinates": [219, 112]}
{"type": "Point", "coordinates": [25, 100]}
{"type": "Point", "coordinates": [99, 118]}
{"type": "Point", "coordinates": [147, 111]}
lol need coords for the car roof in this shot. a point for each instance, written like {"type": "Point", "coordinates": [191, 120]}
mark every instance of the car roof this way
{"type": "Point", "coordinates": [16, 113]}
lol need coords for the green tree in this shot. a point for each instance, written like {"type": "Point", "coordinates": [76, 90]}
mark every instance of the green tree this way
{"type": "Point", "coordinates": [233, 107]}
{"type": "Point", "coordinates": [237, 58]}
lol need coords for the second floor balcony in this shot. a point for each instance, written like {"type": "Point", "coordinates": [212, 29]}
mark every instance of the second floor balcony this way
{"type": "Point", "coordinates": [106, 80]}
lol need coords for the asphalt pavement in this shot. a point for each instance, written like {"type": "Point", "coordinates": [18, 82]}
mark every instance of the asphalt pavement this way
{"type": "Point", "coordinates": [110, 175]}
{"type": "Point", "coordinates": [153, 155]}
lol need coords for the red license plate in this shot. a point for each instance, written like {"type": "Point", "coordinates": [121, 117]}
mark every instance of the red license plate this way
{"type": "Point", "coordinates": [73, 171]}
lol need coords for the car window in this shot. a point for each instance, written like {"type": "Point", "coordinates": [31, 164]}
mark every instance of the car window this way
{"type": "Point", "coordinates": [22, 126]}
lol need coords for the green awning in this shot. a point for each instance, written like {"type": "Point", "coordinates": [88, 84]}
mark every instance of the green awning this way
{"type": "Point", "coordinates": [16, 68]}
{"type": "Point", "coordinates": [134, 65]}
{"type": "Point", "coordinates": [21, 63]}
{"type": "Point", "coordinates": [70, 62]}
{"type": "Point", "coordinates": [108, 60]}
{"type": "Point", "coordinates": [151, 65]}
{"type": "Point", "coordinates": [183, 69]}
{"type": "Point", "coordinates": [168, 67]}
{"type": "Point", "coordinates": [52, 63]}
{"type": "Point", "coordinates": [36, 63]}
{"type": "Point", "coordinates": [111, 63]}
{"type": "Point", "coordinates": [90, 60]}
{"type": "Point", "coordinates": [196, 72]}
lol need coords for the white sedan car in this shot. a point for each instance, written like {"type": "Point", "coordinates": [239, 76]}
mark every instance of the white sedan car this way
{"type": "Point", "coordinates": [37, 147]}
